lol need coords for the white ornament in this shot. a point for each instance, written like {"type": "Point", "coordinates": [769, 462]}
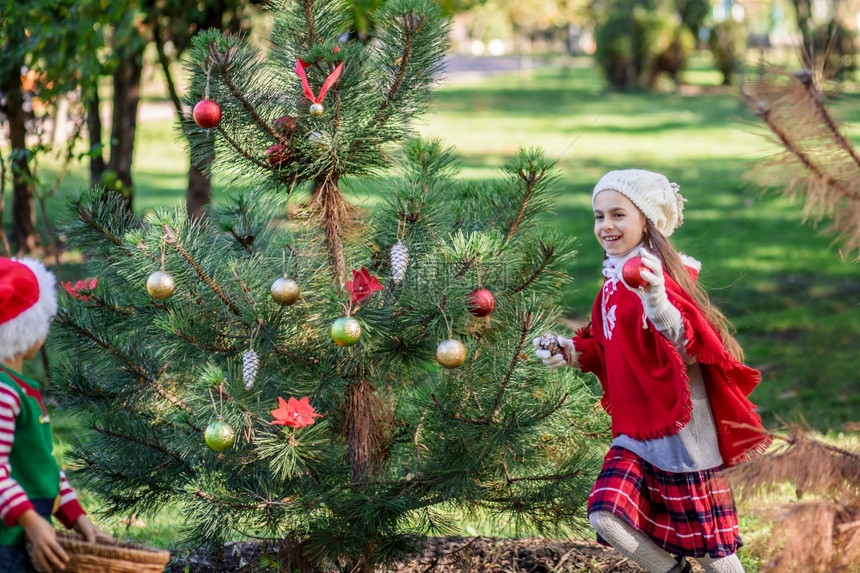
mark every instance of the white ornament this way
{"type": "Point", "coordinates": [318, 138]}
{"type": "Point", "coordinates": [250, 368]}
{"type": "Point", "coordinates": [399, 261]}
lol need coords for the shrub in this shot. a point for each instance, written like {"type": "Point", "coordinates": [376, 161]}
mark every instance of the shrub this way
{"type": "Point", "coordinates": [728, 45]}
{"type": "Point", "coordinates": [633, 49]}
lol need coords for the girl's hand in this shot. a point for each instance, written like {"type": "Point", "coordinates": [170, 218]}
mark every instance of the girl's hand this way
{"type": "Point", "coordinates": [91, 533]}
{"type": "Point", "coordinates": [47, 551]}
{"type": "Point", "coordinates": [567, 356]}
{"type": "Point", "coordinates": [655, 293]}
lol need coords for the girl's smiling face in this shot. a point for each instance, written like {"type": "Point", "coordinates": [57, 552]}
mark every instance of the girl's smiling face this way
{"type": "Point", "coordinates": [618, 224]}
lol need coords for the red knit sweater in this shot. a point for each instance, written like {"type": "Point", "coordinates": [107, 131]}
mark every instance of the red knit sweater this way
{"type": "Point", "coordinates": [644, 378]}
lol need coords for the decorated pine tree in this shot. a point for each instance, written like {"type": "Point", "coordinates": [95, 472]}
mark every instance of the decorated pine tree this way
{"type": "Point", "coordinates": [341, 381]}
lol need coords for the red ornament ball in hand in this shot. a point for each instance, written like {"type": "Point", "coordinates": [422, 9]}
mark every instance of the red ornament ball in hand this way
{"type": "Point", "coordinates": [277, 155]}
{"type": "Point", "coordinates": [481, 302]}
{"type": "Point", "coordinates": [631, 272]}
{"type": "Point", "coordinates": [207, 114]}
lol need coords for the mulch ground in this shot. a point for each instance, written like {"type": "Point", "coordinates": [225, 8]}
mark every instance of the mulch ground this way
{"type": "Point", "coordinates": [451, 555]}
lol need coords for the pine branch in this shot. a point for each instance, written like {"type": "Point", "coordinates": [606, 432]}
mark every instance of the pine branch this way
{"type": "Point", "coordinates": [409, 27]}
{"type": "Point", "coordinates": [86, 216]}
{"type": "Point", "coordinates": [219, 389]}
{"type": "Point", "coordinates": [238, 506]}
{"type": "Point", "coordinates": [556, 477]}
{"type": "Point", "coordinates": [242, 151]}
{"type": "Point", "coordinates": [531, 180]}
{"type": "Point", "coordinates": [818, 162]}
{"type": "Point", "coordinates": [130, 365]}
{"type": "Point", "coordinates": [547, 253]}
{"type": "Point", "coordinates": [147, 444]}
{"type": "Point", "coordinates": [807, 80]}
{"type": "Point", "coordinates": [171, 239]}
{"type": "Point", "coordinates": [524, 331]}
{"type": "Point", "coordinates": [765, 114]}
{"type": "Point", "coordinates": [450, 416]}
{"type": "Point", "coordinates": [228, 81]}
{"type": "Point", "coordinates": [307, 9]}
{"type": "Point", "coordinates": [208, 347]}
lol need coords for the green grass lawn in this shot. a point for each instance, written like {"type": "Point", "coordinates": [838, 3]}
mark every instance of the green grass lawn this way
{"type": "Point", "coordinates": [795, 302]}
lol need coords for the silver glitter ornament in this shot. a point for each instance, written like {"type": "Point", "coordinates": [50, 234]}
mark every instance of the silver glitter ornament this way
{"type": "Point", "coordinates": [250, 368]}
{"type": "Point", "coordinates": [399, 261]}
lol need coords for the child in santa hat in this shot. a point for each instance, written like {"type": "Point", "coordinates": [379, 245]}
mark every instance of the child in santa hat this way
{"type": "Point", "coordinates": [673, 384]}
{"type": "Point", "coordinates": [32, 487]}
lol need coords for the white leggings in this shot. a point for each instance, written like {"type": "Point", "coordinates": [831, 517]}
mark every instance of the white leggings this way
{"type": "Point", "coordinates": [639, 548]}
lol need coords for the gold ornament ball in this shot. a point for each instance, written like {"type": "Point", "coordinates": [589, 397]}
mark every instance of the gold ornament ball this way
{"type": "Point", "coordinates": [316, 109]}
{"type": "Point", "coordinates": [345, 331]}
{"type": "Point", "coordinates": [285, 291]}
{"type": "Point", "coordinates": [220, 436]}
{"type": "Point", "coordinates": [451, 353]}
{"type": "Point", "coordinates": [160, 285]}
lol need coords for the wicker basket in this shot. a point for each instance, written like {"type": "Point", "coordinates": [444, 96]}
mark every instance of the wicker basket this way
{"type": "Point", "coordinates": [107, 557]}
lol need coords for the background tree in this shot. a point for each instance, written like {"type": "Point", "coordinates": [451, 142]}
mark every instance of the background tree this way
{"type": "Point", "coordinates": [636, 42]}
{"type": "Point", "coordinates": [728, 44]}
{"type": "Point", "coordinates": [53, 47]}
{"type": "Point", "coordinates": [171, 23]}
{"type": "Point", "coordinates": [829, 44]}
{"type": "Point", "coordinates": [331, 428]}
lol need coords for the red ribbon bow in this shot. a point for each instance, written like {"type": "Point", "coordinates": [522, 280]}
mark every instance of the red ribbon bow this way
{"type": "Point", "coordinates": [329, 81]}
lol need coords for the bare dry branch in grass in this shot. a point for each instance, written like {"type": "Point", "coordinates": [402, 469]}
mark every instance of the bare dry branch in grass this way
{"type": "Point", "coordinates": [819, 533]}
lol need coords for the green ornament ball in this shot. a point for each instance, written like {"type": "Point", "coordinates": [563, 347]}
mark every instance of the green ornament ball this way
{"type": "Point", "coordinates": [220, 436]}
{"type": "Point", "coordinates": [345, 331]}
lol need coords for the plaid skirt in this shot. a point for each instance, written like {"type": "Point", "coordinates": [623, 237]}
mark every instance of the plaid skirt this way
{"type": "Point", "coordinates": [691, 514]}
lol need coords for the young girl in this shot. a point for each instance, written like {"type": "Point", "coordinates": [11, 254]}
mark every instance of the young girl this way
{"type": "Point", "coordinates": [673, 384]}
{"type": "Point", "coordinates": [32, 487]}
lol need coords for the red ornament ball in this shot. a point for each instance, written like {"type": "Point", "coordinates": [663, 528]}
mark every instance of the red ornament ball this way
{"type": "Point", "coordinates": [481, 302]}
{"type": "Point", "coordinates": [285, 125]}
{"type": "Point", "coordinates": [207, 114]}
{"type": "Point", "coordinates": [277, 155]}
{"type": "Point", "coordinates": [631, 272]}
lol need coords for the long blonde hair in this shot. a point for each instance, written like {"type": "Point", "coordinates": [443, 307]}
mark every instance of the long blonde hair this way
{"type": "Point", "coordinates": [671, 258]}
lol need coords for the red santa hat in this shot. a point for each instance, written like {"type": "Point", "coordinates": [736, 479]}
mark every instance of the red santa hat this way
{"type": "Point", "coordinates": [28, 302]}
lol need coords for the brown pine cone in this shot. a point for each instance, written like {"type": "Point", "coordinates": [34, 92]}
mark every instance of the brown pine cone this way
{"type": "Point", "coordinates": [550, 342]}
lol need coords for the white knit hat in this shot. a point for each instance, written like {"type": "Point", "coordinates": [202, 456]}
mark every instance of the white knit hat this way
{"type": "Point", "coordinates": [651, 192]}
{"type": "Point", "coordinates": [28, 302]}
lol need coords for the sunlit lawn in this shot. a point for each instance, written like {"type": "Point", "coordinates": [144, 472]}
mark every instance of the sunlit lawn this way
{"type": "Point", "coordinates": [795, 302]}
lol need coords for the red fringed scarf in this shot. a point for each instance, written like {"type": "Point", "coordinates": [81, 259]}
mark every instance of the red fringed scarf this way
{"type": "Point", "coordinates": [644, 378]}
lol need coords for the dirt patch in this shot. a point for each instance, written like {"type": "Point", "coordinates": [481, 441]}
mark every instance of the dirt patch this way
{"type": "Point", "coordinates": [449, 555]}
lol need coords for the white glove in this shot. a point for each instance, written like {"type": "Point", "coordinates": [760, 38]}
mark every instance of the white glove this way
{"type": "Point", "coordinates": [656, 300]}
{"type": "Point", "coordinates": [567, 357]}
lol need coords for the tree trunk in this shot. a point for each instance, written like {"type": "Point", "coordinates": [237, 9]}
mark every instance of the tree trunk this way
{"type": "Point", "coordinates": [126, 96]}
{"type": "Point", "coordinates": [199, 193]}
{"type": "Point", "coordinates": [24, 233]}
{"type": "Point", "coordinates": [94, 126]}
{"type": "Point", "coordinates": [334, 213]}
{"type": "Point", "coordinates": [803, 11]}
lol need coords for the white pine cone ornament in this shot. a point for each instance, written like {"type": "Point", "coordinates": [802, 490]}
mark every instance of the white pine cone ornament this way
{"type": "Point", "coordinates": [399, 261]}
{"type": "Point", "coordinates": [250, 367]}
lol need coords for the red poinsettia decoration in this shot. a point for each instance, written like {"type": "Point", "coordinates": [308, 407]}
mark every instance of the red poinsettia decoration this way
{"type": "Point", "coordinates": [81, 289]}
{"type": "Point", "coordinates": [362, 286]}
{"type": "Point", "coordinates": [294, 413]}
